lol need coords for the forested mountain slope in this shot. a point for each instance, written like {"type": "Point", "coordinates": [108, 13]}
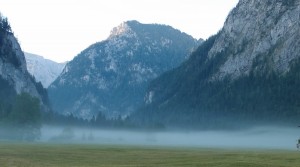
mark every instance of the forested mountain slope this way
{"type": "Point", "coordinates": [247, 74]}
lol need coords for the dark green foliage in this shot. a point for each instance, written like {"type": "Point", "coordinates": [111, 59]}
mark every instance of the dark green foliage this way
{"type": "Point", "coordinates": [7, 53]}
{"type": "Point", "coordinates": [26, 117]}
{"type": "Point", "coordinates": [288, 3]}
{"type": "Point", "coordinates": [55, 119]}
{"type": "Point", "coordinates": [4, 28]}
{"type": "Point", "coordinates": [101, 121]}
{"type": "Point", "coordinates": [4, 24]}
{"type": "Point", "coordinates": [23, 119]}
{"type": "Point", "coordinates": [185, 97]}
{"type": "Point", "coordinates": [20, 116]}
{"type": "Point", "coordinates": [7, 96]}
{"type": "Point", "coordinates": [122, 89]}
{"type": "Point", "coordinates": [41, 90]}
{"type": "Point", "coordinates": [7, 92]}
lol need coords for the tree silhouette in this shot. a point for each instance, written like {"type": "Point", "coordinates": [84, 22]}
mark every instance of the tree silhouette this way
{"type": "Point", "coordinates": [25, 117]}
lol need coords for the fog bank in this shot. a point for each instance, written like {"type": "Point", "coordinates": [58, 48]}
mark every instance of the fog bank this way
{"type": "Point", "coordinates": [256, 138]}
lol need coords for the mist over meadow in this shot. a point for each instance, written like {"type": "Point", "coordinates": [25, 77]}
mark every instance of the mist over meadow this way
{"type": "Point", "coordinates": [254, 138]}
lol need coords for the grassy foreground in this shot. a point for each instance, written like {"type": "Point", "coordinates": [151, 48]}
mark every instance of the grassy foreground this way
{"type": "Point", "coordinates": [56, 155]}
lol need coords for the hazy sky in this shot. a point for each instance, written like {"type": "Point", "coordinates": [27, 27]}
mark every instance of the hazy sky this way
{"type": "Point", "coordinates": [60, 29]}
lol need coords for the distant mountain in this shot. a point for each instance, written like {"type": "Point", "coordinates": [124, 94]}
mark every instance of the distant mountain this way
{"type": "Point", "coordinates": [246, 75]}
{"type": "Point", "coordinates": [14, 77]}
{"type": "Point", "coordinates": [44, 70]}
{"type": "Point", "coordinates": [111, 76]}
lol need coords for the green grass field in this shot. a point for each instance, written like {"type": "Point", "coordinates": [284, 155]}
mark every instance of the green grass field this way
{"type": "Point", "coordinates": [75, 155]}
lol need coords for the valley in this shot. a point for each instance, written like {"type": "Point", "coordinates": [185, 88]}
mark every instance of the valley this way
{"type": "Point", "coordinates": [52, 155]}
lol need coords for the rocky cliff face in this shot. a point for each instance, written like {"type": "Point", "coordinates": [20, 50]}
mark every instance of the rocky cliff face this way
{"type": "Point", "coordinates": [44, 70]}
{"type": "Point", "coordinates": [248, 72]}
{"type": "Point", "coordinates": [256, 29]}
{"type": "Point", "coordinates": [111, 76]}
{"type": "Point", "coordinates": [14, 76]}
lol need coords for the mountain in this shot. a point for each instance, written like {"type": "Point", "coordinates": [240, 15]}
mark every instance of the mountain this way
{"type": "Point", "coordinates": [111, 76]}
{"type": "Point", "coordinates": [14, 77]}
{"type": "Point", "coordinates": [246, 75]}
{"type": "Point", "coordinates": [44, 70]}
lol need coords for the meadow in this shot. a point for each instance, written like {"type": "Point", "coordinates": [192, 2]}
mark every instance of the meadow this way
{"type": "Point", "coordinates": [81, 155]}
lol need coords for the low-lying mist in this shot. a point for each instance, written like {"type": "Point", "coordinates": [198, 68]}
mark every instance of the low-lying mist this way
{"type": "Point", "coordinates": [256, 138]}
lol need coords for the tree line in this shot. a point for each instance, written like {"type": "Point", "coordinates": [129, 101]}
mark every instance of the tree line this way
{"type": "Point", "coordinates": [21, 120]}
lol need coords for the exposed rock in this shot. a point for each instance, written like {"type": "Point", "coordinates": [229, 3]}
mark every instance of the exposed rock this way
{"type": "Point", "coordinates": [44, 70]}
{"type": "Point", "coordinates": [246, 74]}
{"type": "Point", "coordinates": [111, 76]}
{"type": "Point", "coordinates": [259, 28]}
{"type": "Point", "coordinates": [13, 69]}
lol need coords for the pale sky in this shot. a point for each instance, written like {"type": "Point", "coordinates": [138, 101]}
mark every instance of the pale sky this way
{"type": "Point", "coordinates": [61, 29]}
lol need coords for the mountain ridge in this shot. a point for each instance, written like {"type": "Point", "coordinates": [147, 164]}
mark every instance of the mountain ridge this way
{"type": "Point", "coordinates": [44, 70]}
{"type": "Point", "coordinates": [110, 76]}
{"type": "Point", "coordinates": [245, 75]}
{"type": "Point", "coordinates": [14, 76]}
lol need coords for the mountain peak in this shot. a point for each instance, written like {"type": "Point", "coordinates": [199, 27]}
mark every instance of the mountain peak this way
{"type": "Point", "coordinates": [14, 76]}
{"type": "Point", "coordinates": [111, 76]}
{"type": "Point", "coordinates": [123, 29]}
{"type": "Point", "coordinates": [44, 70]}
{"type": "Point", "coordinates": [249, 72]}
